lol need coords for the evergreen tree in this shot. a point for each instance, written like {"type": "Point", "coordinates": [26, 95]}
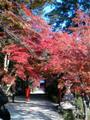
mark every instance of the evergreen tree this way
{"type": "Point", "coordinates": [59, 13]}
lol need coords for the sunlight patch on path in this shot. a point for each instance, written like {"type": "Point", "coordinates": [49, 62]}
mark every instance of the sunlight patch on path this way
{"type": "Point", "coordinates": [34, 110]}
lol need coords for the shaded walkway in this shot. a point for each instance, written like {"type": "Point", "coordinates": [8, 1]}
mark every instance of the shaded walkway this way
{"type": "Point", "coordinates": [38, 108]}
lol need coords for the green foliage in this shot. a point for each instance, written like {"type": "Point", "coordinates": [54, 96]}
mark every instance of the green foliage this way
{"type": "Point", "coordinates": [79, 104]}
{"type": "Point", "coordinates": [1, 60]}
{"type": "Point", "coordinates": [60, 14]}
{"type": "Point", "coordinates": [37, 3]}
{"type": "Point", "coordinates": [68, 115]}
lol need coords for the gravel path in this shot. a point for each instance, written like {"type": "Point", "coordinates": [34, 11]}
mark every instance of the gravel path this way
{"type": "Point", "coordinates": [36, 109]}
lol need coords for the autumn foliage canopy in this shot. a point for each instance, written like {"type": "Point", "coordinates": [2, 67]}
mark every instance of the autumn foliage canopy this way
{"type": "Point", "coordinates": [37, 51]}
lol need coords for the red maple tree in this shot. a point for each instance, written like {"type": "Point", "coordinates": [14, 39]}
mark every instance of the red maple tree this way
{"type": "Point", "coordinates": [26, 36]}
{"type": "Point", "coordinates": [37, 51]}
